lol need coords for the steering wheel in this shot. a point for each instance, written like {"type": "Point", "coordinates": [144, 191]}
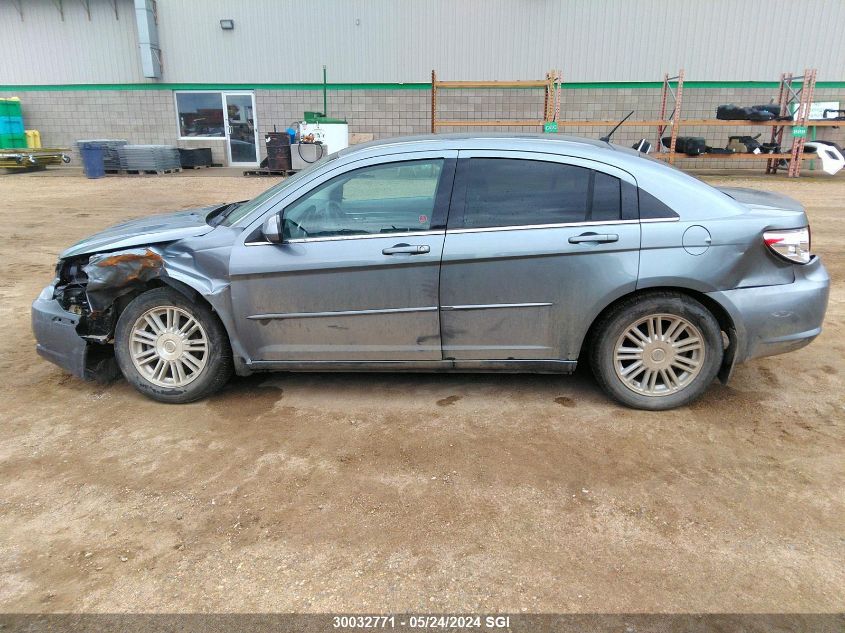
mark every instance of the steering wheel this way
{"type": "Point", "coordinates": [331, 213]}
{"type": "Point", "coordinates": [296, 225]}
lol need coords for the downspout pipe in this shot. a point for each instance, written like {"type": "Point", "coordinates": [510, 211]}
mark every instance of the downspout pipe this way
{"type": "Point", "coordinates": [325, 93]}
{"type": "Point", "coordinates": [148, 46]}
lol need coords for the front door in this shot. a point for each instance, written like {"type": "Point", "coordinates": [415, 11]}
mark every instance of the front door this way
{"type": "Point", "coordinates": [241, 129]}
{"type": "Point", "coordinates": [356, 277]}
{"type": "Point", "coordinates": [536, 246]}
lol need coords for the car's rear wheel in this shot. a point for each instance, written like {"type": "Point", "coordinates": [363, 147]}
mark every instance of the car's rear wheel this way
{"type": "Point", "coordinates": [657, 351]}
{"type": "Point", "coordinates": [171, 349]}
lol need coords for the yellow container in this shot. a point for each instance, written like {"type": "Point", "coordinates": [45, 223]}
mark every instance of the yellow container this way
{"type": "Point", "coordinates": [33, 138]}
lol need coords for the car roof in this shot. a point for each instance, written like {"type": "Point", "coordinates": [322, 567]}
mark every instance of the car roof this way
{"type": "Point", "coordinates": [576, 146]}
{"type": "Point", "coordinates": [553, 144]}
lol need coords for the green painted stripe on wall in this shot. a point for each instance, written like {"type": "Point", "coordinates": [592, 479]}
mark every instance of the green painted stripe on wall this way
{"type": "Point", "coordinates": [256, 86]}
{"type": "Point", "coordinates": [588, 85]}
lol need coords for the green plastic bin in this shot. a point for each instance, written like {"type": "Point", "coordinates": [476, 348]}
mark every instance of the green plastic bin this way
{"type": "Point", "coordinates": [12, 133]}
{"type": "Point", "coordinates": [10, 107]}
{"type": "Point", "coordinates": [9, 141]}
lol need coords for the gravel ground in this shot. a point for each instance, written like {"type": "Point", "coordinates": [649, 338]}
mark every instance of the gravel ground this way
{"type": "Point", "coordinates": [401, 492]}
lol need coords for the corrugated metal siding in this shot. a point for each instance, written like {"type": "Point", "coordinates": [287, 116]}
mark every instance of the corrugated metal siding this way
{"type": "Point", "coordinates": [402, 40]}
{"type": "Point", "coordinates": [43, 49]}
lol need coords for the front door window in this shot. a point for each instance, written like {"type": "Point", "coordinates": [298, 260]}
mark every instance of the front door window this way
{"type": "Point", "coordinates": [378, 200]}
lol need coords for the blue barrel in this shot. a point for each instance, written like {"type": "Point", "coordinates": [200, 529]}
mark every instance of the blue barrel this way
{"type": "Point", "coordinates": [93, 160]}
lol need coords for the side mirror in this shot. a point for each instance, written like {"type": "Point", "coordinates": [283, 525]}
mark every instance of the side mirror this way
{"type": "Point", "coordinates": [272, 228]}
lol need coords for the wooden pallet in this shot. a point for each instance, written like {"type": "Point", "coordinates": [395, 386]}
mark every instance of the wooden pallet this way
{"type": "Point", "coordinates": [195, 166]}
{"type": "Point", "coordinates": [144, 172]}
{"type": "Point", "coordinates": [268, 172]}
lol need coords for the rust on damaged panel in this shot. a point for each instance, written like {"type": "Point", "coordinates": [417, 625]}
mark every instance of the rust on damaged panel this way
{"type": "Point", "coordinates": [114, 274]}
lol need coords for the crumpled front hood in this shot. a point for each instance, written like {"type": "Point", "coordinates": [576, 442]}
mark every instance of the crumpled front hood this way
{"type": "Point", "coordinates": [145, 231]}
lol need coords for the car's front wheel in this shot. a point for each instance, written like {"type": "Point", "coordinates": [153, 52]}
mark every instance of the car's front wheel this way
{"type": "Point", "coordinates": [171, 349]}
{"type": "Point", "coordinates": [657, 351]}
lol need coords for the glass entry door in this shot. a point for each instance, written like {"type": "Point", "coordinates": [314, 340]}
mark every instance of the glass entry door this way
{"type": "Point", "coordinates": [241, 128]}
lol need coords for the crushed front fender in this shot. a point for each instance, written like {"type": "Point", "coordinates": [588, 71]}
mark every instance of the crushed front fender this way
{"type": "Point", "coordinates": [111, 275]}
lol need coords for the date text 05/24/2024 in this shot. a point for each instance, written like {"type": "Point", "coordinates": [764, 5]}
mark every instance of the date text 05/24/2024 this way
{"type": "Point", "coordinates": [421, 621]}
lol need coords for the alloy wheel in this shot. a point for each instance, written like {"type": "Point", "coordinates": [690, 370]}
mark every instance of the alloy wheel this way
{"type": "Point", "coordinates": [169, 347]}
{"type": "Point", "coordinates": [659, 355]}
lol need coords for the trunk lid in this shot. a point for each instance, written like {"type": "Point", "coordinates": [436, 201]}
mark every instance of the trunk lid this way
{"type": "Point", "coordinates": [782, 211]}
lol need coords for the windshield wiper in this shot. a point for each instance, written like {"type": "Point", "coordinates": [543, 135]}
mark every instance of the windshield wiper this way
{"type": "Point", "coordinates": [222, 212]}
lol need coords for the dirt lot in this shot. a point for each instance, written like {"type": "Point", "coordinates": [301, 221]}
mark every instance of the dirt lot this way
{"type": "Point", "coordinates": [410, 493]}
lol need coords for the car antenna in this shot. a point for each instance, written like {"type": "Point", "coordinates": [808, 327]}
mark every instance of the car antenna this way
{"type": "Point", "coordinates": [606, 139]}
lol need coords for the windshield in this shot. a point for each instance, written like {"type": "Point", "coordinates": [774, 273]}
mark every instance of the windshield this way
{"type": "Point", "coordinates": [243, 210]}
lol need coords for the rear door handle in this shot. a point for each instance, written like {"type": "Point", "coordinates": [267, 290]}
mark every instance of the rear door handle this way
{"type": "Point", "coordinates": [597, 238]}
{"type": "Point", "coordinates": [406, 249]}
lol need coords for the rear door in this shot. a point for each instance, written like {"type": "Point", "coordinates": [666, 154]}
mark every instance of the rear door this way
{"type": "Point", "coordinates": [536, 245]}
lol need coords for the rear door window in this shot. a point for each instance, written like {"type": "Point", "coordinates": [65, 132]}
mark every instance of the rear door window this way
{"type": "Point", "coordinates": [503, 192]}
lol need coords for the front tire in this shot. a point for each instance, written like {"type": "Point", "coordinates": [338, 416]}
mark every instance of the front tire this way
{"type": "Point", "coordinates": [171, 349]}
{"type": "Point", "coordinates": [657, 351]}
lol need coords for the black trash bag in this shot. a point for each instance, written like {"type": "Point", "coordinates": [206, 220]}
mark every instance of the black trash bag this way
{"type": "Point", "coordinates": [689, 145]}
{"type": "Point", "coordinates": [774, 109]}
{"type": "Point", "coordinates": [732, 112]}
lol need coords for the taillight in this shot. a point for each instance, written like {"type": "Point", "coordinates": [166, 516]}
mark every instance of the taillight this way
{"type": "Point", "coordinates": [793, 244]}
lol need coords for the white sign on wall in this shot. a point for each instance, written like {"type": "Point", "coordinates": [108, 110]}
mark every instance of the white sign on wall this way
{"type": "Point", "coordinates": [817, 109]}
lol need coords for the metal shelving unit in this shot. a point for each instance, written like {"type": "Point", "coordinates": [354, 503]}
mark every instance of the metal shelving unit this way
{"type": "Point", "coordinates": [551, 105]}
{"type": "Point", "coordinates": [796, 92]}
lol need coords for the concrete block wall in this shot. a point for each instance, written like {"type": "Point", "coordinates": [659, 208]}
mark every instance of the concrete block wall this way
{"type": "Point", "coordinates": [382, 113]}
{"type": "Point", "coordinates": [139, 116]}
{"type": "Point", "coordinates": [148, 116]}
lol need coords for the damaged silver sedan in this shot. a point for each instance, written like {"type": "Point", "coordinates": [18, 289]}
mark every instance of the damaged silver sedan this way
{"type": "Point", "coordinates": [447, 253]}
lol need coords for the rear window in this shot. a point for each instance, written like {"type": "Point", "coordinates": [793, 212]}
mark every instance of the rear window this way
{"type": "Point", "coordinates": [518, 192]}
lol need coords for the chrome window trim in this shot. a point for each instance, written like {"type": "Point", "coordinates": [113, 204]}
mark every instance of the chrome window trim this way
{"type": "Point", "coordinates": [515, 227]}
{"type": "Point", "coordinates": [523, 227]}
{"type": "Point", "coordinates": [338, 238]}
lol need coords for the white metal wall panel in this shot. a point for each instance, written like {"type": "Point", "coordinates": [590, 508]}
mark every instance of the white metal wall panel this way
{"type": "Point", "coordinates": [44, 49]}
{"type": "Point", "coordinates": [287, 41]}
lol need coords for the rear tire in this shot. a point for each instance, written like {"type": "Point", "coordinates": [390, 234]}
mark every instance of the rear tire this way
{"type": "Point", "coordinates": [171, 349]}
{"type": "Point", "coordinates": [656, 351]}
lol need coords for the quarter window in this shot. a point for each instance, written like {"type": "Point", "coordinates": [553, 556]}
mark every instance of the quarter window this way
{"type": "Point", "coordinates": [379, 200]}
{"type": "Point", "coordinates": [652, 208]}
{"type": "Point", "coordinates": [518, 192]}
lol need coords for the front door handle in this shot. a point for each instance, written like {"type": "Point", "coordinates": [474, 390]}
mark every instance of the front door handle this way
{"type": "Point", "coordinates": [597, 238]}
{"type": "Point", "coordinates": [406, 249]}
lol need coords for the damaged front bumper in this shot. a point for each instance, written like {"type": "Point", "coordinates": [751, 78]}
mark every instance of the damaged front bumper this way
{"type": "Point", "coordinates": [58, 341]}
